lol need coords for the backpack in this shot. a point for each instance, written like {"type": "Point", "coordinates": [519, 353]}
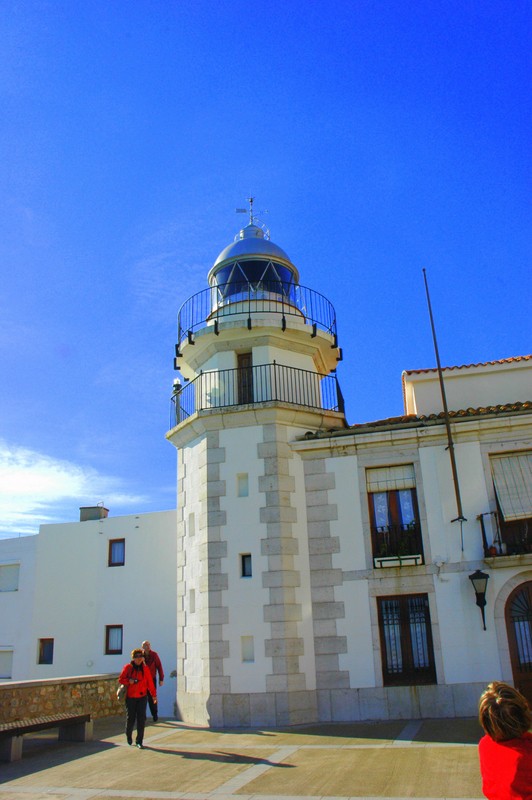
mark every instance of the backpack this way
{"type": "Point", "coordinates": [121, 692]}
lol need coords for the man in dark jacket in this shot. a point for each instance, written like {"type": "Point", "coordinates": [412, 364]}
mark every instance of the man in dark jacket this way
{"type": "Point", "coordinates": [153, 662]}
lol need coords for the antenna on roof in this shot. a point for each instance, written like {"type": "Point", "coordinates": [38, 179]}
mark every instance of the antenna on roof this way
{"type": "Point", "coordinates": [450, 444]}
{"type": "Point", "coordinates": [253, 218]}
{"type": "Point", "coordinates": [250, 200]}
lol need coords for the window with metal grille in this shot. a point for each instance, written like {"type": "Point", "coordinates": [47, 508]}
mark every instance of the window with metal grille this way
{"type": "Point", "coordinates": [406, 640]}
{"type": "Point", "coordinates": [520, 613]}
{"type": "Point", "coordinates": [394, 515]}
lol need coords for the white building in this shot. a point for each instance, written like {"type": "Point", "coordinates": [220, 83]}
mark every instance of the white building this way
{"type": "Point", "coordinates": [76, 598]}
{"type": "Point", "coordinates": [322, 571]}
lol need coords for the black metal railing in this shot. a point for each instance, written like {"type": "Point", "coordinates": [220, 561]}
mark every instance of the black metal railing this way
{"type": "Point", "coordinates": [509, 537]}
{"type": "Point", "coordinates": [257, 384]}
{"type": "Point", "coordinates": [272, 297]}
{"type": "Point", "coordinates": [402, 542]}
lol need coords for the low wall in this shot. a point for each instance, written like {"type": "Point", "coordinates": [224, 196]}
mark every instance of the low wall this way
{"type": "Point", "coordinates": [83, 694]}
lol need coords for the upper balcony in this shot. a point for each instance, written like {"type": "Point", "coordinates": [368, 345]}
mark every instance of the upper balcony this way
{"type": "Point", "coordinates": [249, 300]}
{"type": "Point", "coordinates": [397, 545]}
{"type": "Point", "coordinates": [509, 540]}
{"type": "Point", "coordinates": [260, 384]}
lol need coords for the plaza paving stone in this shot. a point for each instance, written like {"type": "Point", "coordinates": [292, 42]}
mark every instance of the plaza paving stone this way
{"type": "Point", "coordinates": [434, 759]}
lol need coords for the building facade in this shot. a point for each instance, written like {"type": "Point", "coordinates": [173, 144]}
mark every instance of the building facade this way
{"type": "Point", "coordinates": [77, 597]}
{"type": "Point", "coordinates": [322, 572]}
{"type": "Point", "coordinates": [314, 570]}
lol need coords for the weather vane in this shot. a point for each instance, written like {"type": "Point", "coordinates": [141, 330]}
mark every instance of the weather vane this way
{"type": "Point", "coordinates": [253, 218]}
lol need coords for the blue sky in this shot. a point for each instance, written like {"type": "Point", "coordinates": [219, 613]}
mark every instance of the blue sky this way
{"type": "Point", "coordinates": [383, 137]}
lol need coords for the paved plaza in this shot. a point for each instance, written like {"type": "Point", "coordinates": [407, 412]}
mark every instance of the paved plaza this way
{"type": "Point", "coordinates": [403, 759]}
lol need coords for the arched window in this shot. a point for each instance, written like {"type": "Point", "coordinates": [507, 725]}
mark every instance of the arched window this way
{"type": "Point", "coordinates": [519, 628]}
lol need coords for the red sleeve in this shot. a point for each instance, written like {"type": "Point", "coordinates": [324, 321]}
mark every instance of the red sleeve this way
{"type": "Point", "coordinates": [159, 668]}
{"type": "Point", "coordinates": [124, 675]}
{"type": "Point", "coordinates": [149, 681]}
{"type": "Point", "coordinates": [506, 768]}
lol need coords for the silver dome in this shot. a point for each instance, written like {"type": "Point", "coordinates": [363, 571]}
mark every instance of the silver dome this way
{"type": "Point", "coordinates": [251, 242]}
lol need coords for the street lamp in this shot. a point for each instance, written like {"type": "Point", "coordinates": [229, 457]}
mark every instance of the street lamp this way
{"type": "Point", "coordinates": [480, 581]}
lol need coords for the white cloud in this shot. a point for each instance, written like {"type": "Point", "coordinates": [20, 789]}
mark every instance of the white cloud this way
{"type": "Point", "coordinates": [36, 488]}
{"type": "Point", "coordinates": [174, 262]}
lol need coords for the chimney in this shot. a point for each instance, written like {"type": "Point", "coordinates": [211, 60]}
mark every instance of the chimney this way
{"type": "Point", "coordinates": [87, 513]}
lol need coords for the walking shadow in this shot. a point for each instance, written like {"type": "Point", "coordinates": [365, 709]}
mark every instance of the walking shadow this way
{"type": "Point", "coordinates": [221, 757]}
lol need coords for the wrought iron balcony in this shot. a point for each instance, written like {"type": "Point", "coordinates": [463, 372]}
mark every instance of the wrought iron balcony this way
{"type": "Point", "coordinates": [510, 538]}
{"type": "Point", "coordinates": [254, 385]}
{"type": "Point", "coordinates": [397, 545]}
{"type": "Point", "coordinates": [272, 297]}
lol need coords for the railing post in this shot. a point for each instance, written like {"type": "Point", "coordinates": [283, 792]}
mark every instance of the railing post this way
{"type": "Point", "coordinates": [199, 398]}
{"type": "Point", "coordinates": [483, 532]}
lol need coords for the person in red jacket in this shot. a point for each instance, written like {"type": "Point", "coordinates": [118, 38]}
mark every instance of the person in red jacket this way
{"type": "Point", "coordinates": [506, 749]}
{"type": "Point", "coordinates": [153, 662]}
{"type": "Point", "coordinates": [137, 677]}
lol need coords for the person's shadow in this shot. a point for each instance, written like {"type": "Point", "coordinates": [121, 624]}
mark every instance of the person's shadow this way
{"type": "Point", "coordinates": [221, 757]}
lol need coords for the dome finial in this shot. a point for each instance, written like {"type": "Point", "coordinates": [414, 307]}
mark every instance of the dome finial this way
{"type": "Point", "coordinates": [253, 218]}
{"type": "Point", "coordinates": [250, 200]}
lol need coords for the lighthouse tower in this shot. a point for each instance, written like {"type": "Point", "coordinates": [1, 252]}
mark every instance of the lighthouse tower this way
{"type": "Point", "coordinates": [257, 354]}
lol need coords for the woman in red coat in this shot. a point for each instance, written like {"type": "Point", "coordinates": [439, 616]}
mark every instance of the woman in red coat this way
{"type": "Point", "coordinates": [137, 677]}
{"type": "Point", "coordinates": [506, 749]}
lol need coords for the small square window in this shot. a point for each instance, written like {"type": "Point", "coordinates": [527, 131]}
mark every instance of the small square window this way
{"type": "Point", "coordinates": [247, 647]}
{"type": "Point", "coordinates": [9, 577]}
{"type": "Point", "coordinates": [113, 639]}
{"type": "Point", "coordinates": [46, 651]}
{"type": "Point", "coordinates": [6, 664]}
{"type": "Point", "coordinates": [242, 484]}
{"type": "Point", "coordinates": [117, 552]}
{"type": "Point", "coordinates": [245, 565]}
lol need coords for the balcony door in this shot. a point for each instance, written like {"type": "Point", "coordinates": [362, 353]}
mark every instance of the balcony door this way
{"type": "Point", "coordinates": [406, 640]}
{"type": "Point", "coordinates": [245, 378]}
{"type": "Point", "coordinates": [394, 515]}
{"type": "Point", "coordinates": [519, 628]}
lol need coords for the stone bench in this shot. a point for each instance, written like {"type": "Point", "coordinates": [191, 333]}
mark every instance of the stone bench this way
{"type": "Point", "coordinates": [72, 728]}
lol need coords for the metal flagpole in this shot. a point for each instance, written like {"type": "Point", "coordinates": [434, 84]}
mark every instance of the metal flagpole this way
{"type": "Point", "coordinates": [450, 444]}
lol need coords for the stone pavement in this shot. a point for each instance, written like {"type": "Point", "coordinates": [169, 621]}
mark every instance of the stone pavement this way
{"type": "Point", "coordinates": [433, 759]}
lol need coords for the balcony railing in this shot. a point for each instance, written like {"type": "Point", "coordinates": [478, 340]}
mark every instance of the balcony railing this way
{"type": "Point", "coordinates": [395, 545]}
{"type": "Point", "coordinates": [272, 297]}
{"type": "Point", "coordinates": [257, 384]}
{"type": "Point", "coordinates": [510, 538]}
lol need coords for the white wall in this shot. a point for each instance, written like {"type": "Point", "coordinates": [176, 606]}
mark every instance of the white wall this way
{"type": "Point", "coordinates": [190, 565]}
{"type": "Point", "coordinates": [76, 594]}
{"type": "Point", "coordinates": [16, 608]}
{"type": "Point", "coordinates": [348, 496]}
{"type": "Point", "coordinates": [245, 597]}
{"type": "Point", "coordinates": [469, 387]}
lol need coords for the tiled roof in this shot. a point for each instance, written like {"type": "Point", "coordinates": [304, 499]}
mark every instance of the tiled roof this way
{"type": "Point", "coordinates": [414, 421]}
{"type": "Point", "coordinates": [468, 366]}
